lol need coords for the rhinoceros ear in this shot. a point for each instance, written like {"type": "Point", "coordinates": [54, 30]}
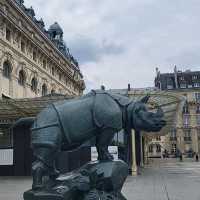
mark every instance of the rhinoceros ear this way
{"type": "Point", "coordinates": [145, 99]}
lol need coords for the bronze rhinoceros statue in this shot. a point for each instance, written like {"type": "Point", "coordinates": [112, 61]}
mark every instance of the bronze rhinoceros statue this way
{"type": "Point", "coordinates": [70, 123]}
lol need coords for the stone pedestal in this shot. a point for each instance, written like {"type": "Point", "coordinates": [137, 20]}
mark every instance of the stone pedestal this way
{"type": "Point", "coordinates": [93, 181]}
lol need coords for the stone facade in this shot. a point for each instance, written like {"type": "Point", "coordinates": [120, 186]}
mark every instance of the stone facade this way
{"type": "Point", "coordinates": [34, 61]}
{"type": "Point", "coordinates": [184, 135]}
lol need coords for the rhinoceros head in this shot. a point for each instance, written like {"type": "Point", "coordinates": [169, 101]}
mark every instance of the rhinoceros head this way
{"type": "Point", "coordinates": [142, 119]}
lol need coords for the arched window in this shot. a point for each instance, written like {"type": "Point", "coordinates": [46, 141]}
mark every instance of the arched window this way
{"type": "Point", "coordinates": [34, 84]}
{"type": "Point", "coordinates": [22, 77]}
{"type": "Point", "coordinates": [44, 90]}
{"type": "Point", "coordinates": [53, 91]}
{"type": "Point", "coordinates": [6, 69]}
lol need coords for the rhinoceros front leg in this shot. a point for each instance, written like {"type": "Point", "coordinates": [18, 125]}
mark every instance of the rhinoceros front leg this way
{"type": "Point", "coordinates": [102, 142]}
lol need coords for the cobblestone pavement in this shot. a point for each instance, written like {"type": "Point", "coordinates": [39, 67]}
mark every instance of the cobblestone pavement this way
{"type": "Point", "coordinates": [162, 180]}
{"type": "Point", "coordinates": [165, 180]}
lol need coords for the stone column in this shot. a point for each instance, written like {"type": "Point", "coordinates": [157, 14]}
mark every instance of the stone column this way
{"type": "Point", "coordinates": [11, 86]}
{"type": "Point", "coordinates": [134, 165]}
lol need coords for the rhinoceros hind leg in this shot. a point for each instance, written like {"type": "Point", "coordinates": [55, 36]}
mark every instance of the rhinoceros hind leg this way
{"type": "Point", "coordinates": [38, 170]}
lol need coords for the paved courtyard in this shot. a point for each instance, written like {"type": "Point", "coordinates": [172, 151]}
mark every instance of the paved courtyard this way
{"type": "Point", "coordinates": [165, 180]}
{"type": "Point", "coordinates": [162, 180]}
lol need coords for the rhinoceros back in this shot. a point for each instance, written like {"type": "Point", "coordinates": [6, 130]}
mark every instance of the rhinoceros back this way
{"type": "Point", "coordinates": [76, 119]}
{"type": "Point", "coordinates": [82, 118]}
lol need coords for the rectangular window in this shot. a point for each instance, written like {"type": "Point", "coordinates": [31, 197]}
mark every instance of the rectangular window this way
{"type": "Point", "coordinates": [186, 120]}
{"type": "Point", "coordinates": [198, 120]}
{"type": "Point", "coordinates": [170, 87]}
{"type": "Point", "coordinates": [183, 85]}
{"type": "Point", "coordinates": [8, 34]}
{"type": "Point", "coordinates": [187, 135]}
{"type": "Point", "coordinates": [194, 77]}
{"type": "Point", "coordinates": [5, 138]}
{"type": "Point", "coordinates": [196, 85]}
{"type": "Point", "coordinates": [197, 96]}
{"type": "Point", "coordinates": [173, 135]}
{"type": "Point", "coordinates": [173, 150]}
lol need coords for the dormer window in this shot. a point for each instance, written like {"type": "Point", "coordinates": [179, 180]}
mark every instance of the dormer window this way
{"type": "Point", "coordinates": [194, 77]}
{"type": "Point", "coordinates": [196, 85]}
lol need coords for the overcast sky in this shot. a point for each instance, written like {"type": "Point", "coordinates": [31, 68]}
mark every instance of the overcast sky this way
{"type": "Point", "coordinates": [119, 42]}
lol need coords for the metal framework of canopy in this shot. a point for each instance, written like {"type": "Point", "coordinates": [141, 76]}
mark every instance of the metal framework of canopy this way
{"type": "Point", "coordinates": [169, 102]}
{"type": "Point", "coordinates": [12, 109]}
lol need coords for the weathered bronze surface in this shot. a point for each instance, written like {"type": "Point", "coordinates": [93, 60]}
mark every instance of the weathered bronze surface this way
{"type": "Point", "coordinates": [69, 123]}
{"type": "Point", "coordinates": [93, 181]}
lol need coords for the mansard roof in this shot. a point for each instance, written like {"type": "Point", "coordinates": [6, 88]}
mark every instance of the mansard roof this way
{"type": "Point", "coordinates": [54, 27]}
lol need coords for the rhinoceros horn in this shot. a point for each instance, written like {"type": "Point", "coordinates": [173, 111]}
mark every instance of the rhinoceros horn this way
{"type": "Point", "coordinates": [145, 99]}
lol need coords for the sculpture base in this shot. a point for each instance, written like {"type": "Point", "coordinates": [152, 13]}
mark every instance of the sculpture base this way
{"type": "Point", "coordinates": [93, 181]}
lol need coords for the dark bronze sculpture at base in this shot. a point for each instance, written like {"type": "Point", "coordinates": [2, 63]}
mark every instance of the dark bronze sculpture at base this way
{"type": "Point", "coordinates": [70, 123]}
{"type": "Point", "coordinates": [93, 181]}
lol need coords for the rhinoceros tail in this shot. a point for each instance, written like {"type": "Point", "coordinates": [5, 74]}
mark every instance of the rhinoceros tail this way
{"type": "Point", "coordinates": [27, 121]}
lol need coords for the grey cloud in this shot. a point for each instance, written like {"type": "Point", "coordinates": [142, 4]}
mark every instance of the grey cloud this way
{"type": "Point", "coordinates": [89, 50]}
{"type": "Point", "coordinates": [117, 42]}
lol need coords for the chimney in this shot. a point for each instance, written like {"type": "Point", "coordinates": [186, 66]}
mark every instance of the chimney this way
{"type": "Point", "coordinates": [129, 87]}
{"type": "Point", "coordinates": [175, 77]}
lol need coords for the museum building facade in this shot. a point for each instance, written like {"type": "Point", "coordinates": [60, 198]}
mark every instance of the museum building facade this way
{"type": "Point", "coordinates": [184, 136]}
{"type": "Point", "coordinates": [35, 66]}
{"type": "Point", "coordinates": [34, 61]}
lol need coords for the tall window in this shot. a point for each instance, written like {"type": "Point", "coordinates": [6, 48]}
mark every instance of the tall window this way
{"type": "Point", "coordinates": [8, 34]}
{"type": "Point", "coordinates": [186, 120]}
{"type": "Point", "coordinates": [151, 148]}
{"type": "Point", "coordinates": [6, 69]}
{"type": "Point", "coordinates": [34, 56]}
{"type": "Point", "coordinates": [53, 71]}
{"type": "Point", "coordinates": [44, 90]}
{"type": "Point", "coordinates": [23, 46]}
{"type": "Point", "coordinates": [173, 150]}
{"type": "Point", "coordinates": [22, 77]}
{"type": "Point", "coordinates": [158, 148]}
{"type": "Point", "coordinates": [173, 134]}
{"type": "Point", "coordinates": [197, 96]}
{"type": "Point", "coordinates": [34, 85]}
{"type": "Point", "coordinates": [44, 64]}
{"type": "Point", "coordinates": [187, 134]}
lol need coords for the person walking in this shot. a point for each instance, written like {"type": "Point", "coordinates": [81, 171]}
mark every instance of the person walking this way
{"type": "Point", "coordinates": [196, 157]}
